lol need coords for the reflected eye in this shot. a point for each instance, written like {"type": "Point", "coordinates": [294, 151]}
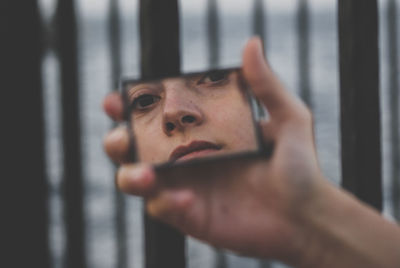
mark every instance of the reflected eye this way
{"type": "Point", "coordinates": [214, 77]}
{"type": "Point", "coordinates": [144, 101]}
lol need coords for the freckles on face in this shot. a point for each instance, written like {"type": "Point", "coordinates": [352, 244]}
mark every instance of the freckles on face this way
{"type": "Point", "coordinates": [152, 145]}
{"type": "Point", "coordinates": [232, 122]}
{"type": "Point", "coordinates": [220, 115]}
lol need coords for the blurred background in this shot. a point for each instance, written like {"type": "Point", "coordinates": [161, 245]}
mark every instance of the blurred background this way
{"type": "Point", "coordinates": [301, 43]}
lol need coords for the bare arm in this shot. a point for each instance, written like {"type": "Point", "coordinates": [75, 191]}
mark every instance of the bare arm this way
{"type": "Point", "coordinates": [284, 209]}
{"type": "Point", "coordinates": [343, 232]}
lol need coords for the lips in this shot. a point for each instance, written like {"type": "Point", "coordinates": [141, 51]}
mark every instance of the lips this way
{"type": "Point", "coordinates": [193, 150]}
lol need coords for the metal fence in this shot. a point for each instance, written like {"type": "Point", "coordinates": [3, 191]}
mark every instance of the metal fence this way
{"type": "Point", "coordinates": [28, 38]}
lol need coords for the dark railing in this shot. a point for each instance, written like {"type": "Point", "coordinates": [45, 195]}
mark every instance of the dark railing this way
{"type": "Point", "coordinates": [393, 55]}
{"type": "Point", "coordinates": [24, 185]}
{"type": "Point", "coordinates": [73, 190]}
{"type": "Point", "coordinates": [21, 56]}
{"type": "Point", "coordinates": [259, 29]}
{"type": "Point", "coordinates": [160, 52]}
{"type": "Point", "coordinates": [213, 31]}
{"type": "Point", "coordinates": [303, 36]}
{"type": "Point", "coordinates": [213, 34]}
{"type": "Point", "coordinates": [259, 21]}
{"type": "Point", "coordinates": [116, 66]}
{"type": "Point", "coordinates": [360, 102]}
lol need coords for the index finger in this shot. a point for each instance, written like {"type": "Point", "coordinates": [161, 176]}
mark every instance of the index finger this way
{"type": "Point", "coordinates": [113, 106]}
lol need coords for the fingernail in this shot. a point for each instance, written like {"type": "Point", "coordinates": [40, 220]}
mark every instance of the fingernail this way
{"type": "Point", "coordinates": [133, 173]}
{"type": "Point", "coordinates": [116, 135]}
{"type": "Point", "coordinates": [260, 48]}
{"type": "Point", "coordinates": [262, 60]}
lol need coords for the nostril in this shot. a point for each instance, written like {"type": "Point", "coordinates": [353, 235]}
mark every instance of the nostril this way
{"type": "Point", "coordinates": [170, 126]}
{"type": "Point", "coordinates": [188, 119]}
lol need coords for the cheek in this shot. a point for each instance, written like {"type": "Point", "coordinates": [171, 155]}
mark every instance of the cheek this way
{"type": "Point", "coordinates": [235, 124]}
{"type": "Point", "coordinates": [149, 143]}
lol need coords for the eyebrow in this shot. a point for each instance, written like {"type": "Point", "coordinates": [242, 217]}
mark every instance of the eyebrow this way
{"type": "Point", "coordinates": [136, 86]}
{"type": "Point", "coordinates": [188, 79]}
{"type": "Point", "coordinates": [159, 83]}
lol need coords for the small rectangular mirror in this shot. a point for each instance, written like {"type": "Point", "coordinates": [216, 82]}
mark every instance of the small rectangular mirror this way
{"type": "Point", "coordinates": [193, 118]}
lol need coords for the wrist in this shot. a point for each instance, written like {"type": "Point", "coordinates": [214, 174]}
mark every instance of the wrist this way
{"type": "Point", "coordinates": [311, 235]}
{"type": "Point", "coordinates": [340, 231]}
{"type": "Point", "coordinates": [317, 237]}
{"type": "Point", "coordinates": [318, 226]}
{"type": "Point", "coordinates": [303, 239]}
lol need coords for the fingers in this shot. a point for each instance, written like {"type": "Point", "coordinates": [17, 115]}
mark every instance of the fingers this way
{"type": "Point", "coordinates": [136, 179]}
{"type": "Point", "coordinates": [116, 144]}
{"type": "Point", "coordinates": [169, 205]}
{"type": "Point", "coordinates": [113, 106]}
{"type": "Point", "coordinates": [172, 206]}
{"type": "Point", "coordinates": [265, 85]}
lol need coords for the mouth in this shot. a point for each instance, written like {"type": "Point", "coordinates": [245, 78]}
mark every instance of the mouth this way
{"type": "Point", "coordinates": [194, 149]}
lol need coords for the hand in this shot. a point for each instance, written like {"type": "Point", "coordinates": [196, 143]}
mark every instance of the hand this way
{"type": "Point", "coordinates": [279, 208]}
{"type": "Point", "coordinates": [253, 215]}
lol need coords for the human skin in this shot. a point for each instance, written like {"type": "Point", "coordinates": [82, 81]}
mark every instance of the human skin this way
{"type": "Point", "coordinates": [283, 208]}
{"type": "Point", "coordinates": [183, 110]}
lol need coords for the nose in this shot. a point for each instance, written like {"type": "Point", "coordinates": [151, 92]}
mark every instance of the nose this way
{"type": "Point", "coordinates": [180, 111]}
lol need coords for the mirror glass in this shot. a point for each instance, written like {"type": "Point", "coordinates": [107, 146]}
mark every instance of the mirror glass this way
{"type": "Point", "coordinates": [195, 117]}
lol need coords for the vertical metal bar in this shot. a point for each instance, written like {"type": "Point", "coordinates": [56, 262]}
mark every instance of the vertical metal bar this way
{"type": "Point", "coordinates": [115, 42]}
{"type": "Point", "coordinates": [213, 32]}
{"type": "Point", "coordinates": [220, 260]}
{"type": "Point", "coordinates": [259, 30]}
{"type": "Point", "coordinates": [71, 134]}
{"type": "Point", "coordinates": [159, 31]}
{"type": "Point", "coordinates": [25, 217]}
{"type": "Point", "coordinates": [213, 36]}
{"type": "Point", "coordinates": [303, 37]}
{"type": "Point", "coordinates": [259, 20]}
{"type": "Point", "coordinates": [160, 55]}
{"type": "Point", "coordinates": [359, 94]}
{"type": "Point", "coordinates": [393, 56]}
{"type": "Point", "coordinates": [116, 65]}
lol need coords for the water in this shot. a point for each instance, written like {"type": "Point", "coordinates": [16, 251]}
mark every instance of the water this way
{"type": "Point", "coordinates": [96, 83]}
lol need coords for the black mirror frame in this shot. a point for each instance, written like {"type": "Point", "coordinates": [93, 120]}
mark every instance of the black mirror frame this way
{"type": "Point", "coordinates": [264, 150]}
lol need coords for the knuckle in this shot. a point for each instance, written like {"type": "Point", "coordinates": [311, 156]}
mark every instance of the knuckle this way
{"type": "Point", "coordinates": [116, 144]}
{"type": "Point", "coordinates": [129, 179]}
{"type": "Point", "coordinates": [122, 178]}
{"type": "Point", "coordinates": [107, 143]}
{"type": "Point", "coordinates": [165, 208]}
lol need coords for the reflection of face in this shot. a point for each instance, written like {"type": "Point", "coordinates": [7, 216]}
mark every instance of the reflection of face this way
{"type": "Point", "coordinates": [190, 117]}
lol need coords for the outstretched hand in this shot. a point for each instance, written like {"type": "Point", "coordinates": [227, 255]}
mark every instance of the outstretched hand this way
{"type": "Point", "coordinates": [256, 215]}
{"type": "Point", "coordinates": [260, 208]}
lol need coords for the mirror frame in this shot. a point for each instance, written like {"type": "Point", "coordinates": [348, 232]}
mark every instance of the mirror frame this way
{"type": "Point", "coordinates": [264, 150]}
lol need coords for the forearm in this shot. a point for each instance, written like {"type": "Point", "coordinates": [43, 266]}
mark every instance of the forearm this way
{"type": "Point", "coordinates": [343, 232]}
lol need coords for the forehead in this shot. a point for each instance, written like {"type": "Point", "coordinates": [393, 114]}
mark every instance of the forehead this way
{"type": "Point", "coordinates": [188, 80]}
{"type": "Point", "coordinates": [160, 83]}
